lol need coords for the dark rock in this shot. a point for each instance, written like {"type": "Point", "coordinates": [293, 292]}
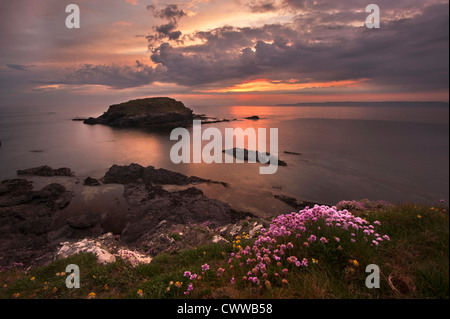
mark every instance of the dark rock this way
{"type": "Point", "coordinates": [250, 155]}
{"type": "Point", "coordinates": [135, 173]}
{"type": "Point", "coordinates": [124, 174]}
{"type": "Point", "coordinates": [91, 182]}
{"type": "Point", "coordinates": [255, 118]}
{"type": "Point", "coordinates": [15, 192]}
{"type": "Point", "coordinates": [298, 205]}
{"type": "Point", "coordinates": [84, 221]}
{"type": "Point", "coordinates": [79, 119]}
{"type": "Point", "coordinates": [151, 112]}
{"type": "Point", "coordinates": [292, 153]}
{"type": "Point", "coordinates": [26, 220]}
{"type": "Point", "coordinates": [46, 171]}
{"type": "Point", "coordinates": [188, 206]}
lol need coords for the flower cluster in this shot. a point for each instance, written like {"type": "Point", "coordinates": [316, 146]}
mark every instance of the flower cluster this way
{"type": "Point", "coordinates": [276, 244]}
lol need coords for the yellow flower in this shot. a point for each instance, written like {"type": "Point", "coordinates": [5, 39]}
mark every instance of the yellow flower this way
{"type": "Point", "coordinates": [91, 295]}
{"type": "Point", "coordinates": [16, 295]}
{"type": "Point", "coordinates": [315, 261]}
{"type": "Point", "coordinates": [55, 289]}
{"type": "Point", "coordinates": [32, 278]}
{"type": "Point", "coordinates": [58, 274]}
{"type": "Point", "coordinates": [140, 293]}
{"type": "Point", "coordinates": [106, 287]}
{"type": "Point", "coordinates": [178, 284]}
{"type": "Point", "coordinates": [5, 285]}
{"type": "Point", "coordinates": [355, 262]}
{"type": "Point", "coordinates": [419, 216]}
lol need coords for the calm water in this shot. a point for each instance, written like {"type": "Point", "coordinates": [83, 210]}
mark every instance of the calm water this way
{"type": "Point", "coordinates": [396, 154]}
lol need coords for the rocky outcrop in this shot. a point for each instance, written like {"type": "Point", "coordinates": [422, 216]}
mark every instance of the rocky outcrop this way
{"type": "Point", "coordinates": [294, 203]}
{"type": "Point", "coordinates": [135, 173]}
{"type": "Point", "coordinates": [151, 112]}
{"type": "Point", "coordinates": [91, 182]}
{"type": "Point", "coordinates": [32, 225]}
{"type": "Point", "coordinates": [87, 246]}
{"type": "Point", "coordinates": [26, 218]}
{"type": "Point", "coordinates": [46, 171]}
{"type": "Point", "coordinates": [250, 155]}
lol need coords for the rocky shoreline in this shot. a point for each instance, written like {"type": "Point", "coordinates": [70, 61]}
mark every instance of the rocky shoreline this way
{"type": "Point", "coordinates": [34, 228]}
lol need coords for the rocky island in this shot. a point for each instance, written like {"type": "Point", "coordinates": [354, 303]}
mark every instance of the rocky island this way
{"type": "Point", "coordinates": [149, 112]}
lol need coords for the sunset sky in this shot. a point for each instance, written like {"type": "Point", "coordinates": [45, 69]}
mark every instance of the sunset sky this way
{"type": "Point", "coordinates": [223, 52]}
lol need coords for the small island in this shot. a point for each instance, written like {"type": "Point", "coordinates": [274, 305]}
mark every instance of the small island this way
{"type": "Point", "coordinates": [149, 112]}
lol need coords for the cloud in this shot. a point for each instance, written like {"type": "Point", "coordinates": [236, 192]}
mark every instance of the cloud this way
{"type": "Point", "coordinates": [409, 52]}
{"type": "Point", "coordinates": [115, 76]}
{"type": "Point", "coordinates": [19, 67]}
{"type": "Point", "coordinates": [166, 31]}
{"type": "Point", "coordinates": [319, 44]}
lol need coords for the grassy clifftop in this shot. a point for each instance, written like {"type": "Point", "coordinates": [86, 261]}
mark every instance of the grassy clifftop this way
{"type": "Point", "coordinates": [324, 260]}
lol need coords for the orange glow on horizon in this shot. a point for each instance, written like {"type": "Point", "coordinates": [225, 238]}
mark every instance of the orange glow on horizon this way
{"type": "Point", "coordinates": [265, 85]}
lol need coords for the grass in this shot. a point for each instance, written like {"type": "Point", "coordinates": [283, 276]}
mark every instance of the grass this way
{"type": "Point", "coordinates": [413, 264]}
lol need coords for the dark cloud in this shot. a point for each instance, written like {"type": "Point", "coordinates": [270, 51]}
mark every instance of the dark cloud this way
{"type": "Point", "coordinates": [19, 67]}
{"type": "Point", "coordinates": [412, 52]}
{"type": "Point", "coordinates": [119, 77]}
{"type": "Point", "coordinates": [170, 12]}
{"type": "Point", "coordinates": [408, 53]}
{"type": "Point", "coordinates": [166, 31]}
{"type": "Point", "coordinates": [262, 7]}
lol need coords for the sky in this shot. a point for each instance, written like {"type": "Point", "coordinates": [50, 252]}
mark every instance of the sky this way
{"type": "Point", "coordinates": [223, 52]}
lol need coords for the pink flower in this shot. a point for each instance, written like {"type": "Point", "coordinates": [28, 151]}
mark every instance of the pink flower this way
{"type": "Point", "coordinates": [205, 267]}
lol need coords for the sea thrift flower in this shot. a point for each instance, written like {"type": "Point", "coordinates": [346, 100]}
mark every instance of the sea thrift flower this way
{"type": "Point", "coordinates": [205, 267]}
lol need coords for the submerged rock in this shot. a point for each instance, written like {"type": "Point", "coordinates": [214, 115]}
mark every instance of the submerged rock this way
{"type": "Point", "coordinates": [250, 155]}
{"type": "Point", "coordinates": [150, 112]}
{"type": "Point", "coordinates": [46, 171]}
{"type": "Point", "coordinates": [91, 182]}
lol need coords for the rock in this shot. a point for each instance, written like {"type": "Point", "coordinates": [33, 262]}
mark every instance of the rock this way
{"type": "Point", "coordinates": [124, 174]}
{"type": "Point", "coordinates": [185, 207]}
{"type": "Point", "coordinates": [84, 221]}
{"type": "Point", "coordinates": [79, 119]}
{"type": "Point", "coordinates": [91, 182]}
{"type": "Point", "coordinates": [85, 246]}
{"type": "Point", "coordinates": [135, 173]}
{"type": "Point", "coordinates": [26, 220]}
{"type": "Point", "coordinates": [15, 192]}
{"type": "Point", "coordinates": [292, 153]}
{"type": "Point", "coordinates": [295, 203]}
{"type": "Point", "coordinates": [250, 155]}
{"type": "Point", "coordinates": [255, 118]}
{"type": "Point", "coordinates": [150, 112]}
{"type": "Point", "coordinates": [46, 171]}
{"type": "Point", "coordinates": [133, 257]}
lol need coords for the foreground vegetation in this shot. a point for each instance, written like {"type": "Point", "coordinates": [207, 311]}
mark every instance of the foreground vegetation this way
{"type": "Point", "coordinates": [324, 261]}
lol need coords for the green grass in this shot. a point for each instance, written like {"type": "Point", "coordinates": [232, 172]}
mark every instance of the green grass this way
{"type": "Point", "coordinates": [415, 261]}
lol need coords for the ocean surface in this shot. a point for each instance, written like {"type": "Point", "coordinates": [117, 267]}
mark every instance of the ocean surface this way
{"type": "Point", "coordinates": [392, 153]}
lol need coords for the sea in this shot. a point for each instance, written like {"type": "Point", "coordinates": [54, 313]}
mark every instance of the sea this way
{"type": "Point", "coordinates": [391, 152]}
